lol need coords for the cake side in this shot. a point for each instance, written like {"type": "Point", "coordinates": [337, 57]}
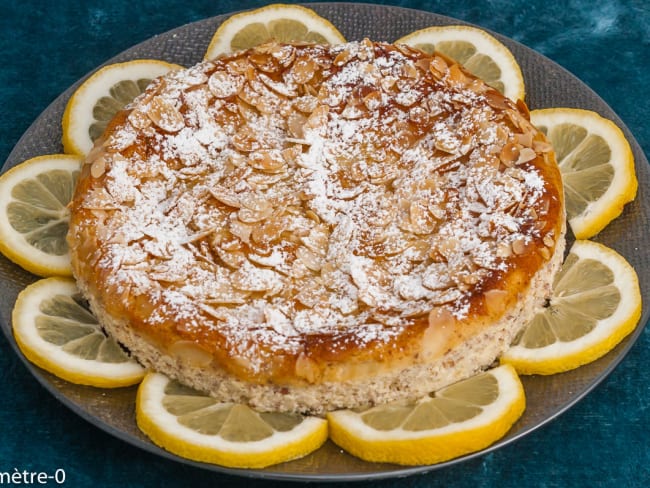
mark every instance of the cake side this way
{"type": "Point", "coordinates": [462, 361]}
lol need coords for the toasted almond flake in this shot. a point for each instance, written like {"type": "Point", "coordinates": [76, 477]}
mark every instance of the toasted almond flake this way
{"type": "Point", "coordinates": [269, 160]}
{"type": "Point", "coordinates": [519, 246]}
{"type": "Point", "coordinates": [295, 124]}
{"type": "Point", "coordinates": [544, 252]}
{"type": "Point", "coordinates": [306, 103]}
{"type": "Point", "coordinates": [268, 232]}
{"type": "Point", "coordinates": [542, 146]}
{"type": "Point", "coordinates": [224, 84]}
{"type": "Point", "coordinates": [525, 139]}
{"type": "Point", "coordinates": [225, 294]}
{"type": "Point", "coordinates": [420, 217]}
{"type": "Point", "coordinates": [310, 259]}
{"type": "Point", "coordinates": [165, 115]}
{"type": "Point", "coordinates": [318, 118]}
{"type": "Point", "coordinates": [139, 119]}
{"type": "Point", "coordinates": [99, 199]}
{"type": "Point", "coordinates": [496, 301]}
{"type": "Point", "coordinates": [343, 57]}
{"type": "Point", "coordinates": [496, 100]}
{"type": "Point", "coordinates": [232, 259]}
{"type": "Point", "coordinates": [98, 166]}
{"type": "Point", "coordinates": [245, 139]}
{"type": "Point", "coordinates": [264, 61]}
{"type": "Point", "coordinates": [249, 216]}
{"type": "Point", "coordinates": [509, 154]}
{"type": "Point", "coordinates": [419, 115]}
{"type": "Point", "coordinates": [410, 71]}
{"type": "Point", "coordinates": [303, 70]}
{"type": "Point", "coordinates": [523, 108]}
{"type": "Point", "coordinates": [311, 295]}
{"type": "Point", "coordinates": [240, 229]}
{"type": "Point", "coordinates": [279, 87]}
{"type": "Point", "coordinates": [457, 76]}
{"type": "Point", "coordinates": [387, 83]}
{"type": "Point", "coordinates": [353, 111]}
{"type": "Point", "coordinates": [526, 154]}
{"type": "Point", "coordinates": [225, 195]}
{"type": "Point", "coordinates": [251, 278]}
{"type": "Point", "coordinates": [549, 240]}
{"type": "Point", "coordinates": [307, 369]}
{"type": "Point", "coordinates": [373, 100]}
{"type": "Point", "coordinates": [284, 54]}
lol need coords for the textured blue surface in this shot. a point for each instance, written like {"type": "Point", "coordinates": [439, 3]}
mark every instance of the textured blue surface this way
{"type": "Point", "coordinates": [602, 441]}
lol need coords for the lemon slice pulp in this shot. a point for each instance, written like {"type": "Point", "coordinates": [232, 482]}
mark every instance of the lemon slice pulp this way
{"type": "Point", "coordinates": [56, 331]}
{"type": "Point", "coordinates": [462, 418]}
{"type": "Point", "coordinates": [101, 96]}
{"type": "Point", "coordinates": [33, 213]}
{"type": "Point", "coordinates": [477, 51]}
{"type": "Point", "coordinates": [596, 302]}
{"type": "Point", "coordinates": [198, 427]}
{"type": "Point", "coordinates": [279, 22]}
{"type": "Point", "coordinates": [597, 166]}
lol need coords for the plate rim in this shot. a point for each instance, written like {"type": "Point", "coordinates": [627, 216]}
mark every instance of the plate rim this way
{"type": "Point", "coordinates": [268, 474]}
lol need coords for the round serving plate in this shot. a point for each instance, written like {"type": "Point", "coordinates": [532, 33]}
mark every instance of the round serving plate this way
{"type": "Point", "coordinates": [547, 85]}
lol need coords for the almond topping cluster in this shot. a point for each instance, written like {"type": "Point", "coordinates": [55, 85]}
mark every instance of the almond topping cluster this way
{"type": "Point", "coordinates": [295, 190]}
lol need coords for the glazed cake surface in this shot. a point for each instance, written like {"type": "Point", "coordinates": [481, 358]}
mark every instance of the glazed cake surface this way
{"type": "Point", "coordinates": [311, 227]}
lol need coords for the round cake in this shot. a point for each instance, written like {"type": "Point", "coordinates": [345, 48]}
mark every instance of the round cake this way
{"type": "Point", "coordinates": [308, 227]}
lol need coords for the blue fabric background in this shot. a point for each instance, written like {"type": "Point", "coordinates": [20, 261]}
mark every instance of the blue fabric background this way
{"type": "Point", "coordinates": [602, 441]}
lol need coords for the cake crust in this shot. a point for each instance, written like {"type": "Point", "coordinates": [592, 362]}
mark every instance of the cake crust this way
{"type": "Point", "coordinates": [308, 227]}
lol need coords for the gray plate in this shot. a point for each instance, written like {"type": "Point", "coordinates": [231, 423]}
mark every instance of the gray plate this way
{"type": "Point", "coordinates": [548, 85]}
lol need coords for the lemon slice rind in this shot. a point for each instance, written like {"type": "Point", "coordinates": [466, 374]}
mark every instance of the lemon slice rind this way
{"type": "Point", "coordinates": [164, 429]}
{"type": "Point", "coordinates": [220, 42]}
{"type": "Point", "coordinates": [436, 445]}
{"type": "Point", "coordinates": [53, 358]}
{"type": "Point", "coordinates": [78, 114]}
{"type": "Point", "coordinates": [14, 244]}
{"type": "Point", "coordinates": [622, 188]}
{"type": "Point", "coordinates": [559, 357]}
{"type": "Point", "coordinates": [486, 44]}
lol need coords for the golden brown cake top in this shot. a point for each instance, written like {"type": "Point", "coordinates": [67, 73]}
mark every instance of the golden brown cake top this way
{"type": "Point", "coordinates": [300, 201]}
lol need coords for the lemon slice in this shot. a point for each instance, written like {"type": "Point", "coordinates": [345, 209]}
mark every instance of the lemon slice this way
{"type": "Point", "coordinates": [462, 418]}
{"type": "Point", "coordinates": [101, 96]}
{"type": "Point", "coordinates": [596, 302]}
{"type": "Point", "coordinates": [280, 22]}
{"type": "Point", "coordinates": [597, 166]}
{"type": "Point", "coordinates": [477, 51]}
{"type": "Point", "coordinates": [198, 427]}
{"type": "Point", "coordinates": [55, 330]}
{"type": "Point", "coordinates": [33, 213]}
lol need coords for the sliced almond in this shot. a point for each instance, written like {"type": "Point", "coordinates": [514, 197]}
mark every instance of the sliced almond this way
{"type": "Point", "coordinates": [525, 155]}
{"type": "Point", "coordinates": [509, 154]}
{"type": "Point", "coordinates": [252, 278]}
{"type": "Point", "coordinates": [223, 84]}
{"type": "Point", "coordinates": [268, 160]}
{"type": "Point", "coordinates": [343, 57]}
{"type": "Point", "coordinates": [225, 195]}
{"type": "Point", "coordinates": [165, 115]}
{"type": "Point", "coordinates": [310, 259]}
{"type": "Point", "coordinates": [438, 67]}
{"type": "Point", "coordinates": [302, 71]}
{"type": "Point", "coordinates": [519, 246]}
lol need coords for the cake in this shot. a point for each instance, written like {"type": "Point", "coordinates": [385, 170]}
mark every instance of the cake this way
{"type": "Point", "coordinates": [306, 227]}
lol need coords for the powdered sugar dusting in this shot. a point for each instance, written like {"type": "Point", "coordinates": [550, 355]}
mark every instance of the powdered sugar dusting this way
{"type": "Point", "coordinates": [313, 190]}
